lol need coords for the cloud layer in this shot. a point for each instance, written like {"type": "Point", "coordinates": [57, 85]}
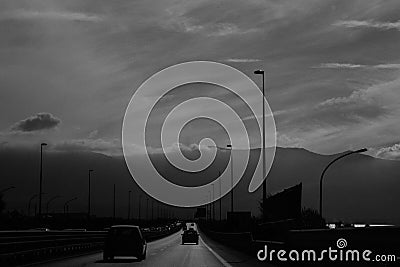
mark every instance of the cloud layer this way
{"type": "Point", "coordinates": [332, 67]}
{"type": "Point", "coordinates": [369, 24]}
{"type": "Point", "coordinates": [387, 66]}
{"type": "Point", "coordinates": [25, 14]}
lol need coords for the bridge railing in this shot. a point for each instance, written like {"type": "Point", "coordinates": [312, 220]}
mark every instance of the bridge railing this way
{"type": "Point", "coordinates": [18, 247]}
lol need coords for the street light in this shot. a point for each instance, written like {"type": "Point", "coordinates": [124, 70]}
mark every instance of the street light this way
{"type": "Point", "coordinates": [209, 205]}
{"type": "Point", "coordinates": [147, 208]}
{"type": "Point", "coordinates": [219, 174]}
{"type": "Point", "coordinates": [129, 204]}
{"type": "Point", "coordinates": [114, 204]}
{"type": "Point", "coordinates": [67, 202]}
{"type": "Point", "coordinates": [220, 198]}
{"type": "Point", "coordinates": [6, 189]}
{"type": "Point", "coordinates": [230, 146]}
{"type": "Point", "coordinates": [30, 200]}
{"type": "Point", "coordinates": [326, 168]}
{"type": "Point", "coordinates": [152, 210]}
{"type": "Point", "coordinates": [264, 185]}
{"type": "Point", "coordinates": [89, 193]}
{"type": "Point", "coordinates": [41, 177]}
{"type": "Point", "coordinates": [140, 204]}
{"type": "Point", "coordinates": [213, 203]}
{"type": "Point", "coordinates": [48, 203]}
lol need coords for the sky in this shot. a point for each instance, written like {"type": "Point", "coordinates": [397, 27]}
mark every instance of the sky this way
{"type": "Point", "coordinates": [69, 68]}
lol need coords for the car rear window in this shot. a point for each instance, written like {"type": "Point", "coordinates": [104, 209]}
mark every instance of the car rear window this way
{"type": "Point", "coordinates": [126, 232]}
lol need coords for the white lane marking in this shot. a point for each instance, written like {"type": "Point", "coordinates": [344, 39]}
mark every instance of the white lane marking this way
{"type": "Point", "coordinates": [224, 262]}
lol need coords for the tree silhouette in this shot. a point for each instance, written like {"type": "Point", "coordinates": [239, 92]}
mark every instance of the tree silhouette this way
{"type": "Point", "coordinates": [312, 219]}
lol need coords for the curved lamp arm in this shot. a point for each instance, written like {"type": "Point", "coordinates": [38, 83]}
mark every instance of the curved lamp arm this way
{"type": "Point", "coordinates": [326, 168]}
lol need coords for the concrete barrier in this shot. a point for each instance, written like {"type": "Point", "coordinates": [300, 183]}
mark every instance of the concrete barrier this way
{"type": "Point", "coordinates": [238, 240]}
{"type": "Point", "coordinates": [243, 241]}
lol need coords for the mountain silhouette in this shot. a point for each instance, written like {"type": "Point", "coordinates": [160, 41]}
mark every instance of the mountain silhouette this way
{"type": "Point", "coordinates": [358, 188]}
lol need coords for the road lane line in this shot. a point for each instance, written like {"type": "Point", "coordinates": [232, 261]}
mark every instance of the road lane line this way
{"type": "Point", "coordinates": [224, 262]}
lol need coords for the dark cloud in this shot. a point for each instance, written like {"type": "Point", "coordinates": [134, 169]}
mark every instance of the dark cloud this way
{"type": "Point", "coordinates": [38, 122]}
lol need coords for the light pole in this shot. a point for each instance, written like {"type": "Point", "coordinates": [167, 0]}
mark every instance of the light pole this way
{"type": "Point", "coordinates": [147, 209]}
{"type": "Point", "coordinates": [29, 203]}
{"type": "Point", "coordinates": [209, 206]}
{"type": "Point", "coordinates": [264, 185]}
{"type": "Point", "coordinates": [41, 177]}
{"type": "Point", "coordinates": [152, 210]}
{"type": "Point", "coordinates": [140, 204]}
{"type": "Point", "coordinates": [129, 204]}
{"type": "Point", "coordinates": [220, 198]}
{"type": "Point", "coordinates": [67, 202]}
{"type": "Point", "coordinates": [213, 203]}
{"type": "Point", "coordinates": [114, 204]}
{"type": "Point", "coordinates": [89, 172]}
{"type": "Point", "coordinates": [230, 146]}
{"type": "Point", "coordinates": [48, 203]}
{"type": "Point", "coordinates": [30, 200]}
{"type": "Point", "coordinates": [326, 168]}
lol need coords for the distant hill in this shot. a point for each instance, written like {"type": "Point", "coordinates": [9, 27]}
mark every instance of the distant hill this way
{"type": "Point", "coordinates": [357, 188]}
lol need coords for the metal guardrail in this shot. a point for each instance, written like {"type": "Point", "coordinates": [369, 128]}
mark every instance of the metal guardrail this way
{"type": "Point", "coordinates": [20, 247]}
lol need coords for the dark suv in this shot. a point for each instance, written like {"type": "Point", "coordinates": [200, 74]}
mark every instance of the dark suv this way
{"type": "Point", "coordinates": [125, 240]}
{"type": "Point", "coordinates": [190, 236]}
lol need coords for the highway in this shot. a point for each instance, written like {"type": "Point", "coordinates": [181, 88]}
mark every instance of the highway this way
{"type": "Point", "coordinates": [166, 252]}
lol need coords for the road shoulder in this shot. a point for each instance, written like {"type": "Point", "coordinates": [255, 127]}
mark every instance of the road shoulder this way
{"type": "Point", "coordinates": [230, 256]}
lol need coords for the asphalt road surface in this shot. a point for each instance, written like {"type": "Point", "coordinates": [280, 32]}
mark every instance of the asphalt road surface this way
{"type": "Point", "coordinates": [164, 252]}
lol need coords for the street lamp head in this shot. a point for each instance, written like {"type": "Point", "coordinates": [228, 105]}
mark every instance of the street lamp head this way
{"type": "Point", "coordinates": [8, 188]}
{"type": "Point", "coordinates": [91, 170]}
{"type": "Point", "coordinates": [259, 72]}
{"type": "Point", "coordinates": [43, 144]}
{"type": "Point", "coordinates": [362, 150]}
{"type": "Point", "coordinates": [229, 145]}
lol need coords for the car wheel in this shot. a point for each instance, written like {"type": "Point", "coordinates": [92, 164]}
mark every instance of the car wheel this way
{"type": "Point", "coordinates": [143, 256]}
